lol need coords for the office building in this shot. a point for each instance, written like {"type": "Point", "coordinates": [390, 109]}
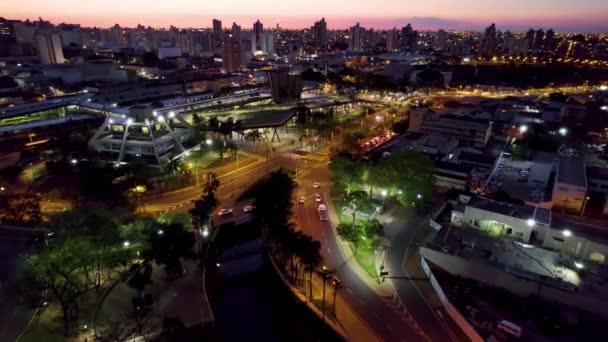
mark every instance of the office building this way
{"type": "Point", "coordinates": [319, 33]}
{"type": "Point", "coordinates": [409, 38]}
{"type": "Point", "coordinates": [49, 48]}
{"type": "Point", "coordinates": [391, 40]}
{"type": "Point", "coordinates": [232, 56]}
{"type": "Point", "coordinates": [355, 38]}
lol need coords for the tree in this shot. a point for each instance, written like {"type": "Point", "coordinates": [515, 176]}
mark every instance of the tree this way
{"type": "Point", "coordinates": [356, 200]}
{"type": "Point", "coordinates": [66, 272]}
{"type": "Point", "coordinates": [373, 232]}
{"type": "Point", "coordinates": [204, 206]}
{"type": "Point", "coordinates": [311, 258]}
{"type": "Point", "coordinates": [20, 209]}
{"type": "Point", "coordinates": [169, 245]}
{"type": "Point", "coordinates": [347, 171]}
{"type": "Point", "coordinates": [350, 233]}
{"type": "Point", "coordinates": [142, 277]}
{"type": "Point", "coordinates": [407, 173]}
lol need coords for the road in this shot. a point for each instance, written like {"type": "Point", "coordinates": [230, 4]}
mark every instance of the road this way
{"type": "Point", "coordinates": [390, 317]}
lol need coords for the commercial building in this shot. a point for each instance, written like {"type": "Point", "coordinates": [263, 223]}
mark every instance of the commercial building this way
{"type": "Point", "coordinates": [515, 221]}
{"type": "Point", "coordinates": [142, 135]}
{"type": "Point", "coordinates": [469, 131]}
{"type": "Point", "coordinates": [570, 188]}
{"type": "Point", "coordinates": [49, 48]}
{"type": "Point", "coordinates": [409, 38]}
{"type": "Point", "coordinates": [451, 176]}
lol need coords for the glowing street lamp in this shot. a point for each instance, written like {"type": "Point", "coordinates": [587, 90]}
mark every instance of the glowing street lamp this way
{"type": "Point", "coordinates": [566, 233]}
{"type": "Point", "coordinates": [126, 244]}
{"type": "Point", "coordinates": [563, 131]}
{"type": "Point", "coordinates": [579, 265]}
{"type": "Point", "coordinates": [530, 222]}
{"type": "Point", "coordinates": [523, 129]}
{"type": "Point", "coordinates": [209, 142]}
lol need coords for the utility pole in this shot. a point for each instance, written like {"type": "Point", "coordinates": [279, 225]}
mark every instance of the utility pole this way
{"type": "Point", "coordinates": [324, 273]}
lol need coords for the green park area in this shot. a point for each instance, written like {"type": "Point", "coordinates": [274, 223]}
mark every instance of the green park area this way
{"type": "Point", "coordinates": [363, 187]}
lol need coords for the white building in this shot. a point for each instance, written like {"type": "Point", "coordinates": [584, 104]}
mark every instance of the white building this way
{"type": "Point", "coordinates": [516, 221]}
{"type": "Point", "coordinates": [49, 48]}
{"type": "Point", "coordinates": [142, 135]}
{"type": "Point", "coordinates": [356, 38]}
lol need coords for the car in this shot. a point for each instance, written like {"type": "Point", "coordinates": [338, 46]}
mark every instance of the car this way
{"type": "Point", "coordinates": [318, 198]}
{"type": "Point", "coordinates": [316, 185]}
{"type": "Point", "coordinates": [335, 281]}
{"type": "Point", "coordinates": [224, 212]}
{"type": "Point", "coordinates": [248, 208]}
{"type": "Point", "coordinates": [302, 199]}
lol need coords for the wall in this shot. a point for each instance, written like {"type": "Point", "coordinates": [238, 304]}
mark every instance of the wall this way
{"type": "Point", "coordinates": [576, 246]}
{"type": "Point", "coordinates": [449, 308]}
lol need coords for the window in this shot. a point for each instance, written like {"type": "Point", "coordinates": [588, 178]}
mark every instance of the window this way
{"type": "Point", "coordinates": [476, 223]}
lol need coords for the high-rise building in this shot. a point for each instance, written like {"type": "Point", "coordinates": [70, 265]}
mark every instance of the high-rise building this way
{"type": "Point", "coordinates": [258, 29]}
{"type": "Point", "coordinates": [319, 32]}
{"type": "Point", "coordinates": [355, 38]}
{"type": "Point", "coordinates": [49, 48]}
{"type": "Point", "coordinates": [117, 37]}
{"type": "Point", "coordinates": [7, 36]}
{"type": "Point", "coordinates": [539, 40]}
{"type": "Point", "coordinates": [71, 35]}
{"type": "Point", "coordinates": [391, 40]}
{"type": "Point", "coordinates": [409, 38]}
{"type": "Point", "coordinates": [184, 41]}
{"type": "Point", "coordinates": [549, 43]}
{"type": "Point", "coordinates": [232, 56]}
{"type": "Point", "coordinates": [217, 27]}
{"type": "Point", "coordinates": [236, 32]}
{"type": "Point", "coordinates": [441, 40]}
{"type": "Point", "coordinates": [489, 43]}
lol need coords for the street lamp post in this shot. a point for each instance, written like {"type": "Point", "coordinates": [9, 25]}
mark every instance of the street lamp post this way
{"type": "Point", "coordinates": [384, 194]}
{"type": "Point", "coordinates": [324, 273]}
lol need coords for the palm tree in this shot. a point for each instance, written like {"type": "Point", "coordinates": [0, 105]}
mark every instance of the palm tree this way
{"type": "Point", "coordinates": [311, 258]}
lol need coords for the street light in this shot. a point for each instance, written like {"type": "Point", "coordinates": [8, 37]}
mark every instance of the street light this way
{"type": "Point", "coordinates": [523, 129]}
{"type": "Point", "coordinates": [563, 131]}
{"type": "Point", "coordinates": [566, 233]}
{"type": "Point", "coordinates": [530, 222]}
{"type": "Point", "coordinates": [160, 232]}
{"type": "Point", "coordinates": [384, 194]}
{"type": "Point", "coordinates": [579, 265]}
{"type": "Point", "coordinates": [126, 244]}
{"type": "Point", "coordinates": [209, 142]}
{"type": "Point", "coordinates": [419, 196]}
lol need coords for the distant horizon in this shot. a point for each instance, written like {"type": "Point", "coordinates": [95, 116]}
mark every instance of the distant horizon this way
{"type": "Point", "coordinates": [418, 23]}
{"type": "Point", "coordinates": [586, 16]}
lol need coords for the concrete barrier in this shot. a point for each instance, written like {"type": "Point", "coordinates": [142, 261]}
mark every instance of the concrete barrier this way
{"type": "Point", "coordinates": [464, 325]}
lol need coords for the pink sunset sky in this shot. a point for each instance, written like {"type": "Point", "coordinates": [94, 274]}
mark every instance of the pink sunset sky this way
{"type": "Point", "coordinates": [563, 15]}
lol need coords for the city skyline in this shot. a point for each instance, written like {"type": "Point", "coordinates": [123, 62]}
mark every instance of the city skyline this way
{"type": "Point", "coordinates": [563, 16]}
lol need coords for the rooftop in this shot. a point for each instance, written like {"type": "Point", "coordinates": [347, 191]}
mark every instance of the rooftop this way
{"type": "Point", "coordinates": [571, 170]}
{"type": "Point", "coordinates": [525, 212]}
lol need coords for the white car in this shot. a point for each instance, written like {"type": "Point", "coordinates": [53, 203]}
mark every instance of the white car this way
{"type": "Point", "coordinates": [248, 208]}
{"type": "Point", "coordinates": [316, 185]}
{"type": "Point", "coordinates": [318, 198]}
{"type": "Point", "coordinates": [224, 212]}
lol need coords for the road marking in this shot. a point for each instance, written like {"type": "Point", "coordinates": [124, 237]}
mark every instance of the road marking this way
{"type": "Point", "coordinates": [349, 290]}
{"type": "Point", "coordinates": [328, 250]}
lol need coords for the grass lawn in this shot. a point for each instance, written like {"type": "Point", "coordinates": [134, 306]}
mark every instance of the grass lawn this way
{"type": "Point", "coordinates": [366, 259]}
